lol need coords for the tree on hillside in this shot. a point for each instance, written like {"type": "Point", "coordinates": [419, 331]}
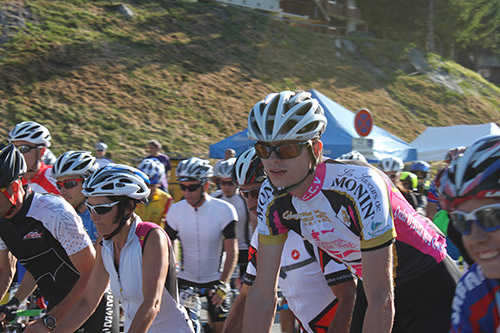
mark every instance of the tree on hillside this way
{"type": "Point", "coordinates": [463, 29]}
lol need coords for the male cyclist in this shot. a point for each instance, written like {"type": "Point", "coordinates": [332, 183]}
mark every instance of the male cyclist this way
{"type": "Point", "coordinates": [47, 237]}
{"type": "Point", "coordinates": [471, 186]}
{"type": "Point", "coordinates": [32, 139]}
{"type": "Point", "coordinates": [229, 192]}
{"type": "Point", "coordinates": [205, 226]}
{"type": "Point", "coordinates": [309, 279]}
{"type": "Point", "coordinates": [345, 208]}
{"type": "Point", "coordinates": [70, 170]}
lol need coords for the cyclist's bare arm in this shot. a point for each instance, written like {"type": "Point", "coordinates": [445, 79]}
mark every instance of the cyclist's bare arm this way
{"type": "Point", "coordinates": [86, 305]}
{"type": "Point", "coordinates": [346, 294]}
{"type": "Point", "coordinates": [378, 285]}
{"type": "Point", "coordinates": [26, 287]}
{"type": "Point", "coordinates": [234, 321]}
{"type": "Point", "coordinates": [231, 248]}
{"type": "Point", "coordinates": [262, 298]}
{"type": "Point", "coordinates": [7, 271]}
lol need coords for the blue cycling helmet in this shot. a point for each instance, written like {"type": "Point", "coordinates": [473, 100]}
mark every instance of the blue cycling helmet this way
{"type": "Point", "coordinates": [420, 166]}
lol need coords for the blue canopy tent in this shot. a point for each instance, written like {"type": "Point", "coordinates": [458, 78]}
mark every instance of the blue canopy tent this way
{"type": "Point", "coordinates": [337, 138]}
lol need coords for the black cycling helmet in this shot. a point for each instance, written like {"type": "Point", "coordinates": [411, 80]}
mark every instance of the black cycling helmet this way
{"type": "Point", "coordinates": [248, 169]}
{"type": "Point", "coordinates": [12, 165]}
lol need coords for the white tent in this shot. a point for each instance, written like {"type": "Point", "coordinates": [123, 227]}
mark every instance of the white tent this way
{"type": "Point", "coordinates": [434, 142]}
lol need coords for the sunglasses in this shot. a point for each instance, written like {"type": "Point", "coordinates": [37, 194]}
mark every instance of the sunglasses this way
{"type": "Point", "coordinates": [101, 209]}
{"type": "Point", "coordinates": [254, 193]}
{"type": "Point", "coordinates": [227, 183]}
{"type": "Point", "coordinates": [68, 183]}
{"type": "Point", "coordinates": [487, 217]}
{"type": "Point", "coordinates": [191, 188]}
{"type": "Point", "coordinates": [26, 148]}
{"type": "Point", "coordinates": [284, 151]}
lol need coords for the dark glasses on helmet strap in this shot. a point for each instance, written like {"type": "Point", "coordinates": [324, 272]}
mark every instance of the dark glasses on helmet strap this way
{"type": "Point", "coordinates": [487, 217]}
{"type": "Point", "coordinates": [254, 192]}
{"type": "Point", "coordinates": [68, 183]}
{"type": "Point", "coordinates": [26, 148]}
{"type": "Point", "coordinates": [191, 188]}
{"type": "Point", "coordinates": [284, 151]}
{"type": "Point", "coordinates": [226, 183]}
{"type": "Point", "coordinates": [101, 209]}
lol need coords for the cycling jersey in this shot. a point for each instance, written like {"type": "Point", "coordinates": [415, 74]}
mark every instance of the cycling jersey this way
{"type": "Point", "coordinates": [103, 161]}
{"type": "Point", "coordinates": [304, 282]}
{"type": "Point", "coordinates": [243, 229]}
{"type": "Point", "coordinates": [349, 208]}
{"type": "Point", "coordinates": [42, 236]}
{"type": "Point", "coordinates": [89, 225]}
{"type": "Point", "coordinates": [476, 304]}
{"type": "Point", "coordinates": [126, 284]}
{"type": "Point", "coordinates": [43, 182]}
{"type": "Point", "coordinates": [201, 231]}
{"type": "Point", "coordinates": [156, 208]}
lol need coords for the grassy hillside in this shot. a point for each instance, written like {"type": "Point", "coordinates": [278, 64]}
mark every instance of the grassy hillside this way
{"type": "Point", "coordinates": [187, 73]}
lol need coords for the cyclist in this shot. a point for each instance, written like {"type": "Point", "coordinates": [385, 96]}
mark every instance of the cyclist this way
{"type": "Point", "coordinates": [158, 203]}
{"type": "Point", "coordinates": [70, 170]}
{"type": "Point", "coordinates": [345, 208]}
{"type": "Point", "coordinates": [229, 192]}
{"type": "Point", "coordinates": [32, 139]}
{"type": "Point", "coordinates": [204, 225]}
{"type": "Point", "coordinates": [101, 159]}
{"type": "Point", "coordinates": [471, 186]}
{"type": "Point", "coordinates": [309, 287]}
{"type": "Point", "coordinates": [47, 237]}
{"type": "Point", "coordinates": [353, 155]}
{"type": "Point", "coordinates": [135, 257]}
{"type": "Point", "coordinates": [154, 147]}
{"type": "Point", "coordinates": [423, 171]}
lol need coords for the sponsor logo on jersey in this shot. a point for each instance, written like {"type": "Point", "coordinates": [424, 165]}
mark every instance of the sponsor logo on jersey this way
{"type": "Point", "coordinates": [363, 191]}
{"type": "Point", "coordinates": [490, 194]}
{"type": "Point", "coordinates": [33, 235]}
{"type": "Point", "coordinates": [295, 254]}
{"type": "Point", "coordinates": [313, 189]}
{"type": "Point", "coordinates": [470, 281]}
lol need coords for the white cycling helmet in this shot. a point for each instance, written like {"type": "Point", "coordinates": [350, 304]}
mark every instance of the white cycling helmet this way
{"type": "Point", "coordinates": [194, 168]}
{"type": "Point", "coordinates": [153, 168]}
{"type": "Point", "coordinates": [286, 116]}
{"type": "Point", "coordinates": [391, 164]}
{"type": "Point", "coordinates": [353, 155]}
{"type": "Point", "coordinates": [74, 163]}
{"type": "Point", "coordinates": [101, 146]}
{"type": "Point", "coordinates": [226, 168]}
{"type": "Point", "coordinates": [248, 169]}
{"type": "Point", "coordinates": [117, 180]}
{"type": "Point", "coordinates": [32, 132]}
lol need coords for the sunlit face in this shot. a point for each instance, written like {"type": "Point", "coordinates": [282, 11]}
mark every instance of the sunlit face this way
{"type": "Point", "coordinates": [194, 197]}
{"type": "Point", "coordinates": [287, 172]}
{"type": "Point", "coordinates": [100, 153]}
{"type": "Point", "coordinates": [105, 224]}
{"type": "Point", "coordinates": [227, 186]}
{"type": "Point", "coordinates": [153, 150]}
{"type": "Point", "coordinates": [32, 158]}
{"type": "Point", "coordinates": [482, 246]}
{"type": "Point", "coordinates": [251, 200]}
{"type": "Point", "coordinates": [73, 195]}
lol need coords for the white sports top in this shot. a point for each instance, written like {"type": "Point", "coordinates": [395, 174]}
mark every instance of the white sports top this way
{"type": "Point", "coordinates": [200, 232]}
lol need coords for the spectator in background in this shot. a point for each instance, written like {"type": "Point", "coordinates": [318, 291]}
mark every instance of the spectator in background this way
{"type": "Point", "coordinates": [159, 202]}
{"type": "Point", "coordinates": [229, 153]}
{"type": "Point", "coordinates": [32, 139]}
{"type": "Point", "coordinates": [101, 159]}
{"type": "Point", "coordinates": [154, 147]}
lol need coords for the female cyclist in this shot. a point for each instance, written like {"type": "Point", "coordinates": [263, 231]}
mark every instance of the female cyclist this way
{"type": "Point", "coordinates": [134, 256]}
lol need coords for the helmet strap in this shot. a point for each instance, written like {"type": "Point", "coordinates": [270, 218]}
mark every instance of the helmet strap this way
{"type": "Point", "coordinates": [12, 197]}
{"type": "Point", "coordinates": [120, 225]}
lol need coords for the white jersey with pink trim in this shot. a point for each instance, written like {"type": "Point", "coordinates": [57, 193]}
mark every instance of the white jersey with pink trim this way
{"type": "Point", "coordinates": [352, 207]}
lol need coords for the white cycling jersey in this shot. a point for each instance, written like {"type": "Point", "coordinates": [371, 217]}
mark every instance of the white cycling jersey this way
{"type": "Point", "coordinates": [200, 231]}
{"type": "Point", "coordinates": [243, 230]}
{"type": "Point", "coordinates": [127, 286]}
{"type": "Point", "coordinates": [304, 282]}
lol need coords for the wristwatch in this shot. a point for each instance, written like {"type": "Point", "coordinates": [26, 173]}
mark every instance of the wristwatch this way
{"type": "Point", "coordinates": [49, 321]}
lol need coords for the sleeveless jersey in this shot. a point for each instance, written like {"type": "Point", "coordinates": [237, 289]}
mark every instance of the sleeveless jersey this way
{"type": "Point", "coordinates": [350, 208]}
{"type": "Point", "coordinates": [43, 182]}
{"type": "Point", "coordinates": [476, 303]}
{"type": "Point", "coordinates": [127, 285]}
{"type": "Point", "coordinates": [200, 231]}
{"type": "Point", "coordinates": [305, 282]}
{"type": "Point", "coordinates": [42, 236]}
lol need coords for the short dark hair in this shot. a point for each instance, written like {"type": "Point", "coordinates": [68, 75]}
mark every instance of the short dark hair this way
{"type": "Point", "coordinates": [155, 143]}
